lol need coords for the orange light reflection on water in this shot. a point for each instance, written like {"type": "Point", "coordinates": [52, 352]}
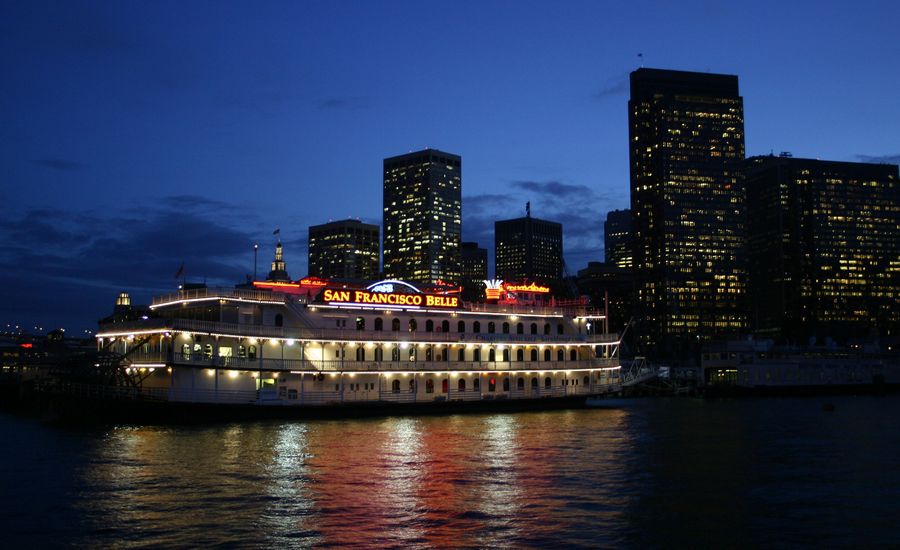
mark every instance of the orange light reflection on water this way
{"type": "Point", "coordinates": [465, 480]}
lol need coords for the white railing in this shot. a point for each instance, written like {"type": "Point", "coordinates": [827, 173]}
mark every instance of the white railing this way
{"type": "Point", "coordinates": [244, 295]}
{"type": "Point", "coordinates": [336, 365]}
{"type": "Point", "coordinates": [350, 335]}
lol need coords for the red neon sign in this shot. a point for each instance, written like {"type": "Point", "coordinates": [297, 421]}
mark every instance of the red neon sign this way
{"type": "Point", "coordinates": [527, 288]}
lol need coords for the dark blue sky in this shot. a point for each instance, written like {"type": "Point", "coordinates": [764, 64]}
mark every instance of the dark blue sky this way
{"type": "Point", "coordinates": [137, 135]}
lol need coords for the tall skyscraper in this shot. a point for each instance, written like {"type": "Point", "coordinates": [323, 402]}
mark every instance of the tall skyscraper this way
{"type": "Point", "coordinates": [528, 249]}
{"type": "Point", "coordinates": [347, 249]}
{"type": "Point", "coordinates": [422, 216]}
{"type": "Point", "coordinates": [474, 267]}
{"type": "Point", "coordinates": [617, 238]}
{"type": "Point", "coordinates": [686, 136]}
{"type": "Point", "coordinates": [824, 248]}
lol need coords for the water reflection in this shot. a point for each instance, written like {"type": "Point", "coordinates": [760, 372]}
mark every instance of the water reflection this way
{"type": "Point", "coordinates": [679, 473]}
{"type": "Point", "coordinates": [468, 480]}
{"type": "Point", "coordinates": [291, 506]}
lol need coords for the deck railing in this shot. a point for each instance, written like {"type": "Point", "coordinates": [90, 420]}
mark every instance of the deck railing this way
{"type": "Point", "coordinates": [239, 294]}
{"type": "Point", "coordinates": [350, 335]}
{"type": "Point", "coordinates": [200, 360]}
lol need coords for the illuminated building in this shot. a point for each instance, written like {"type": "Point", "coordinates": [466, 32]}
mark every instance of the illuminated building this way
{"type": "Point", "coordinates": [474, 267]}
{"type": "Point", "coordinates": [824, 248]}
{"type": "Point", "coordinates": [528, 249]}
{"type": "Point", "coordinates": [422, 216]}
{"type": "Point", "coordinates": [279, 271]}
{"type": "Point", "coordinates": [347, 249]}
{"type": "Point", "coordinates": [686, 136]}
{"type": "Point", "coordinates": [617, 238]}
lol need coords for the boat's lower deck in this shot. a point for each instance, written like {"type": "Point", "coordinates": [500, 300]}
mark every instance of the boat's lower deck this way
{"type": "Point", "coordinates": [286, 388]}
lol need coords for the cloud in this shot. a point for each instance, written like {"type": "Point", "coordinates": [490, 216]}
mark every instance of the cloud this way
{"type": "Point", "coordinates": [479, 214]}
{"type": "Point", "coordinates": [347, 103]}
{"type": "Point", "coordinates": [65, 267]}
{"type": "Point", "coordinates": [883, 159]}
{"type": "Point", "coordinates": [552, 188]}
{"type": "Point", "coordinates": [579, 208]}
{"type": "Point", "coordinates": [613, 87]}
{"type": "Point", "coordinates": [63, 165]}
{"type": "Point", "coordinates": [196, 202]}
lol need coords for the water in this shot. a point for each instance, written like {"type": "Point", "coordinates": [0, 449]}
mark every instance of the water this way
{"type": "Point", "coordinates": [659, 473]}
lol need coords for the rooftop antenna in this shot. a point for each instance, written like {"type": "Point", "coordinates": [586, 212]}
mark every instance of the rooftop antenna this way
{"type": "Point", "coordinates": [528, 209]}
{"type": "Point", "coordinates": [641, 57]}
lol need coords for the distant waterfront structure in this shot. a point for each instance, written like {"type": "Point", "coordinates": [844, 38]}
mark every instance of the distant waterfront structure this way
{"type": "Point", "coordinates": [528, 249]}
{"type": "Point", "coordinates": [346, 249]}
{"type": "Point", "coordinates": [686, 136]}
{"type": "Point", "coordinates": [279, 270]}
{"type": "Point", "coordinates": [617, 238]}
{"type": "Point", "coordinates": [824, 248]}
{"type": "Point", "coordinates": [474, 268]}
{"type": "Point", "coordinates": [422, 216]}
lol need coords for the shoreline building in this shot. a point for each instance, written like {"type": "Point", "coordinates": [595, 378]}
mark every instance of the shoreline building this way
{"type": "Point", "coordinates": [824, 248]}
{"type": "Point", "coordinates": [686, 145]}
{"type": "Point", "coordinates": [422, 216]}
{"type": "Point", "coordinates": [346, 249]}
{"type": "Point", "coordinates": [528, 249]}
{"type": "Point", "coordinates": [474, 267]}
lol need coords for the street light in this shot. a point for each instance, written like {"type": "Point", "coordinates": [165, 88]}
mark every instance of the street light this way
{"type": "Point", "coordinates": [255, 250]}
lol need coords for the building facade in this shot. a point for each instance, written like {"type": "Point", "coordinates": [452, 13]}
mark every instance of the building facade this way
{"type": "Point", "coordinates": [686, 136]}
{"type": "Point", "coordinates": [528, 249]}
{"type": "Point", "coordinates": [422, 216]}
{"type": "Point", "coordinates": [824, 248]}
{"type": "Point", "coordinates": [612, 287]}
{"type": "Point", "coordinates": [347, 249]}
{"type": "Point", "coordinates": [617, 238]}
{"type": "Point", "coordinates": [474, 269]}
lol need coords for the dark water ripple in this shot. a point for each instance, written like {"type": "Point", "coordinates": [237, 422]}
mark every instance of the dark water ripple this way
{"type": "Point", "coordinates": [658, 474]}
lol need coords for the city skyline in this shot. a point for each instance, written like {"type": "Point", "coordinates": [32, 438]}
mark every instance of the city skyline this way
{"type": "Point", "coordinates": [142, 138]}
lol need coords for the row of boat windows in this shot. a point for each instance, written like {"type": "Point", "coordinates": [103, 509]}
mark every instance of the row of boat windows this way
{"type": "Point", "coordinates": [430, 354]}
{"type": "Point", "coordinates": [461, 384]}
{"type": "Point", "coordinates": [206, 351]}
{"type": "Point", "coordinates": [444, 326]}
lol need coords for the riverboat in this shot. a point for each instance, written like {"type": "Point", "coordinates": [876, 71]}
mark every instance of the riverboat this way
{"type": "Point", "coordinates": [320, 343]}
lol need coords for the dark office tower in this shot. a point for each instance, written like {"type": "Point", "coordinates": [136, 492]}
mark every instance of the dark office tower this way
{"type": "Point", "coordinates": [422, 216]}
{"type": "Point", "coordinates": [528, 249]}
{"type": "Point", "coordinates": [474, 264]}
{"type": "Point", "coordinates": [617, 238]}
{"type": "Point", "coordinates": [609, 285]}
{"type": "Point", "coordinates": [347, 249]}
{"type": "Point", "coordinates": [686, 135]}
{"type": "Point", "coordinates": [824, 248]}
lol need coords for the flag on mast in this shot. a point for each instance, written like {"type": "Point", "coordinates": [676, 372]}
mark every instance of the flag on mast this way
{"type": "Point", "coordinates": [180, 271]}
{"type": "Point", "coordinates": [277, 231]}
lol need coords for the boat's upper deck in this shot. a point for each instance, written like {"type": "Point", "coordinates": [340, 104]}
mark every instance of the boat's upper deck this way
{"type": "Point", "coordinates": [262, 313]}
